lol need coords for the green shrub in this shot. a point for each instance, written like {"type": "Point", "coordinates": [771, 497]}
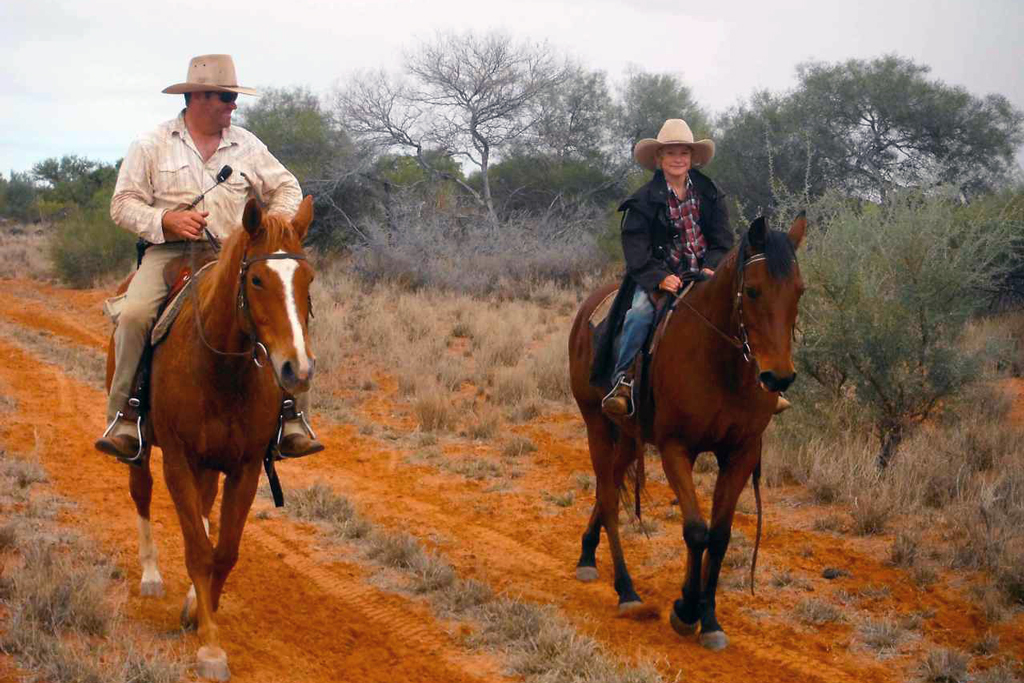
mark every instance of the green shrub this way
{"type": "Point", "coordinates": [88, 246]}
{"type": "Point", "coordinates": [891, 290]}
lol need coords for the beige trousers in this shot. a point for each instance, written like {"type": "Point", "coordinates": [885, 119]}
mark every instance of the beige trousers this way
{"type": "Point", "coordinates": [134, 314]}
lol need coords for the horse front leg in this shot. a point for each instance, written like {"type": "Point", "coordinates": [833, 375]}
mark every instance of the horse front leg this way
{"type": "Point", "coordinates": [185, 490]}
{"type": "Point", "coordinates": [239, 493]}
{"type": "Point", "coordinates": [677, 463]}
{"type": "Point", "coordinates": [208, 481]}
{"type": "Point", "coordinates": [140, 485]}
{"type": "Point", "coordinates": [732, 478]}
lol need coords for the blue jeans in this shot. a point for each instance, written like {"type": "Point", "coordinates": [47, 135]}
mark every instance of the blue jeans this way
{"type": "Point", "coordinates": [634, 330]}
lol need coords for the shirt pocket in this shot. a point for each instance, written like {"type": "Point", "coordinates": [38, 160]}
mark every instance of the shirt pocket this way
{"type": "Point", "coordinates": [173, 183]}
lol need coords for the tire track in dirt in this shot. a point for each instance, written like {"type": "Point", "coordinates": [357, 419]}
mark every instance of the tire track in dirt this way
{"type": "Point", "coordinates": [277, 622]}
{"type": "Point", "coordinates": [520, 562]}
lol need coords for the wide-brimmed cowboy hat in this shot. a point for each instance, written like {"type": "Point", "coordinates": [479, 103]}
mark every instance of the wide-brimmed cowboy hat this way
{"type": "Point", "coordinates": [673, 132]}
{"type": "Point", "coordinates": [210, 73]}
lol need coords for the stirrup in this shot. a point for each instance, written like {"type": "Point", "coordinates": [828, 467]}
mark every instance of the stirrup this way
{"type": "Point", "coordinates": [287, 405]}
{"type": "Point", "coordinates": [622, 381]}
{"type": "Point", "coordinates": [137, 458]}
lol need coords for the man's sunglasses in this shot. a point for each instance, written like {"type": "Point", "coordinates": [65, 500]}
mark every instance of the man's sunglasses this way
{"type": "Point", "coordinates": [227, 97]}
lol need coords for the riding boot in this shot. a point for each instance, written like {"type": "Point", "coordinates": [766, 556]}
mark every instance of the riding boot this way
{"type": "Point", "coordinates": [782, 405]}
{"type": "Point", "coordinates": [123, 437]}
{"type": "Point", "coordinates": [295, 436]}
{"type": "Point", "coordinates": [619, 401]}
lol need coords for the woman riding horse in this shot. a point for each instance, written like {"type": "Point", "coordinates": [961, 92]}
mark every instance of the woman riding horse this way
{"type": "Point", "coordinates": [676, 225]}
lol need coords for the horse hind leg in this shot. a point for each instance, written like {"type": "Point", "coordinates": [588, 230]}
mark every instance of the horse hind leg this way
{"type": "Point", "coordinates": [600, 439]}
{"type": "Point", "coordinates": [140, 484]}
{"type": "Point", "coordinates": [608, 500]}
{"type": "Point", "coordinates": [586, 567]}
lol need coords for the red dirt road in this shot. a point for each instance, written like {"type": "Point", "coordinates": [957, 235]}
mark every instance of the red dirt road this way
{"type": "Point", "coordinates": [297, 609]}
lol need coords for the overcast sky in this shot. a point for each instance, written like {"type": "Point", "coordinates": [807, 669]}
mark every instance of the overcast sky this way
{"type": "Point", "coordinates": [85, 77]}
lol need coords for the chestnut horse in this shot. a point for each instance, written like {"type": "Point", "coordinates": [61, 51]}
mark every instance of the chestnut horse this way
{"type": "Point", "coordinates": [215, 406]}
{"type": "Point", "coordinates": [724, 355]}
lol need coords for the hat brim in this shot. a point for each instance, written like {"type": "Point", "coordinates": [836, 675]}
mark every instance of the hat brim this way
{"type": "Point", "coordinates": [645, 151]}
{"type": "Point", "coordinates": [181, 88]}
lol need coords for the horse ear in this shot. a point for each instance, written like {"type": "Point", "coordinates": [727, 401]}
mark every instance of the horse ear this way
{"type": "Point", "coordinates": [303, 217]}
{"type": "Point", "coordinates": [758, 233]}
{"type": "Point", "coordinates": [798, 229]}
{"type": "Point", "coordinates": [252, 217]}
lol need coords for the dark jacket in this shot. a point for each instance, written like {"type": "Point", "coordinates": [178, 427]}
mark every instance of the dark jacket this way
{"type": "Point", "coordinates": [646, 231]}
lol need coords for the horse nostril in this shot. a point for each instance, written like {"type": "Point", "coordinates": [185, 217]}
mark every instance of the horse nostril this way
{"type": "Point", "coordinates": [288, 373]}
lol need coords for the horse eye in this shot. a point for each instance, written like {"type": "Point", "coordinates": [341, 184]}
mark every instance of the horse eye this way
{"type": "Point", "coordinates": [256, 281]}
{"type": "Point", "coordinates": [752, 292]}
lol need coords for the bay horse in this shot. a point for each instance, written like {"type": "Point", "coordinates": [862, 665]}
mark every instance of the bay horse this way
{"type": "Point", "coordinates": [215, 406]}
{"type": "Point", "coordinates": [724, 355]}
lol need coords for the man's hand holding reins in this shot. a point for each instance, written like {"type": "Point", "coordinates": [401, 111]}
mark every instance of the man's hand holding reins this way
{"type": "Point", "coordinates": [183, 225]}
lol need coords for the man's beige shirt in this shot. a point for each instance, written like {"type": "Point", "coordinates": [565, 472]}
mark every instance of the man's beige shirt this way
{"type": "Point", "coordinates": [164, 171]}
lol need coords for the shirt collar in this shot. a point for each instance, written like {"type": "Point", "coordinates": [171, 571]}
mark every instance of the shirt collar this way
{"type": "Point", "coordinates": [228, 136]}
{"type": "Point", "coordinates": [688, 188]}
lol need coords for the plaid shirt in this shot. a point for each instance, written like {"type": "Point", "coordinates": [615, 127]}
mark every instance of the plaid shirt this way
{"type": "Point", "coordinates": [687, 245]}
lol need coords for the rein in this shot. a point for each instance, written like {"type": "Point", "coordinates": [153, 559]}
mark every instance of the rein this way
{"type": "Point", "coordinates": [741, 342]}
{"type": "Point", "coordinates": [243, 302]}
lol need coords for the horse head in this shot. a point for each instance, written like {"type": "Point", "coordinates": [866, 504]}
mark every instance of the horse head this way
{"type": "Point", "coordinates": [768, 290]}
{"type": "Point", "coordinates": [274, 288]}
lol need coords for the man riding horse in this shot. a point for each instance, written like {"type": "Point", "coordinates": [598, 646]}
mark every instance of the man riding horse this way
{"type": "Point", "coordinates": [160, 179]}
{"type": "Point", "coordinates": [675, 226]}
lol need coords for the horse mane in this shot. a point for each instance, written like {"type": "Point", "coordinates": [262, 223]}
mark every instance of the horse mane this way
{"type": "Point", "coordinates": [778, 251]}
{"type": "Point", "coordinates": [275, 231]}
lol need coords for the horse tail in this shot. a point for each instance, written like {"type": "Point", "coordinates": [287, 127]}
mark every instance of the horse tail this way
{"type": "Point", "coordinates": [633, 482]}
{"type": "Point", "coordinates": [757, 537]}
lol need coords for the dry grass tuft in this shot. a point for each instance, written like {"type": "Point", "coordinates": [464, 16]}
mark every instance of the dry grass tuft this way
{"type": "Point", "coordinates": [434, 410]}
{"type": "Point", "coordinates": [945, 666]}
{"type": "Point", "coordinates": [904, 550]}
{"type": "Point", "coordinates": [318, 503]}
{"type": "Point", "coordinates": [518, 446]}
{"type": "Point", "coordinates": [817, 612]}
{"type": "Point", "coordinates": [884, 635]}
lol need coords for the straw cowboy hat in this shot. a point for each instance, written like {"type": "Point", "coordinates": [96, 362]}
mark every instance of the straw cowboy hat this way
{"type": "Point", "coordinates": [210, 73]}
{"type": "Point", "coordinates": [673, 132]}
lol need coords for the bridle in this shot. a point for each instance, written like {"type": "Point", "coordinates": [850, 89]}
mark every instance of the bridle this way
{"type": "Point", "coordinates": [243, 305]}
{"type": "Point", "coordinates": [740, 341]}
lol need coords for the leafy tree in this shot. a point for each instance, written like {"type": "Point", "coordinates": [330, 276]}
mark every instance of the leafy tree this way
{"type": "Point", "coordinates": [868, 128]}
{"type": "Point", "coordinates": [303, 135]}
{"type": "Point", "coordinates": [883, 124]}
{"type": "Point", "coordinates": [552, 186]}
{"type": "Point", "coordinates": [572, 119]}
{"type": "Point", "coordinates": [763, 151]}
{"type": "Point", "coordinates": [20, 197]}
{"type": "Point", "coordinates": [73, 180]}
{"type": "Point", "coordinates": [647, 100]}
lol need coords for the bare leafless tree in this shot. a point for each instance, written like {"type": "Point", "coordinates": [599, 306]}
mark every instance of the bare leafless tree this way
{"type": "Point", "coordinates": [466, 95]}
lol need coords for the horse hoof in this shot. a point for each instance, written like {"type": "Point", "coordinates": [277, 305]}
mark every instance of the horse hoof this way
{"type": "Point", "coordinates": [586, 574]}
{"type": "Point", "coordinates": [212, 663]}
{"type": "Point", "coordinates": [681, 627]}
{"type": "Point", "coordinates": [631, 606]}
{"type": "Point", "coordinates": [188, 618]}
{"type": "Point", "coordinates": [152, 589]}
{"type": "Point", "coordinates": [714, 641]}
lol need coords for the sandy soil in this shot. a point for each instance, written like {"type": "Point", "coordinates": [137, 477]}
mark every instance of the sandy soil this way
{"type": "Point", "coordinates": [297, 609]}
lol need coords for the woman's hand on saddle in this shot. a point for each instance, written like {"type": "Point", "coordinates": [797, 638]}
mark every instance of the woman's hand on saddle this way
{"type": "Point", "coordinates": [671, 283]}
{"type": "Point", "coordinates": [184, 225]}
{"type": "Point", "coordinates": [707, 272]}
